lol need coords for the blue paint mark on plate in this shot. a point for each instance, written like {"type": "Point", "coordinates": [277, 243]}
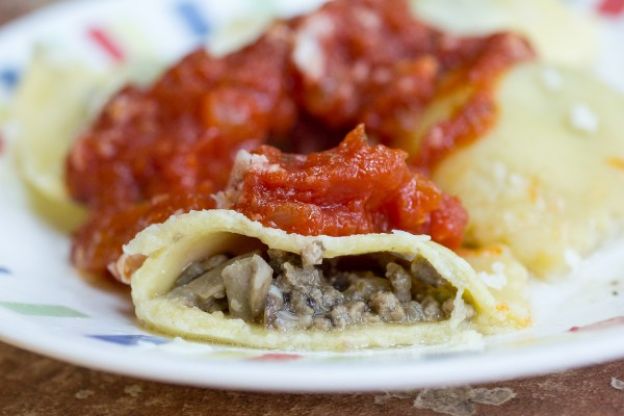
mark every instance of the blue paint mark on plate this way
{"type": "Point", "coordinates": [130, 340]}
{"type": "Point", "coordinates": [9, 77]}
{"type": "Point", "coordinates": [193, 18]}
{"type": "Point", "coordinates": [4, 270]}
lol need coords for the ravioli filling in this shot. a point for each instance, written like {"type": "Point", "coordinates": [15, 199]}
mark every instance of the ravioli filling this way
{"type": "Point", "coordinates": [286, 291]}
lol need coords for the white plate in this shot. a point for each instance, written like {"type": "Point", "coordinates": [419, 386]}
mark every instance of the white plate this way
{"type": "Point", "coordinates": [47, 308]}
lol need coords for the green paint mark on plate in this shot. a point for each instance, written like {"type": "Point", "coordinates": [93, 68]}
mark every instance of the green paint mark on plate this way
{"type": "Point", "coordinates": [57, 311]}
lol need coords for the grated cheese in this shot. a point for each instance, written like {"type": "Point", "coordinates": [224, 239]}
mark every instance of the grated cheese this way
{"type": "Point", "coordinates": [551, 79]}
{"type": "Point", "coordinates": [518, 182]}
{"type": "Point", "coordinates": [308, 53]}
{"type": "Point", "coordinates": [497, 278]}
{"type": "Point", "coordinates": [500, 172]}
{"type": "Point", "coordinates": [572, 258]}
{"type": "Point", "coordinates": [582, 118]}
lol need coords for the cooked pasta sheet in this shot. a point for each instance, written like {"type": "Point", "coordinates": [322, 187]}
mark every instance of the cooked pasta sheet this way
{"type": "Point", "coordinates": [50, 107]}
{"type": "Point", "coordinates": [548, 179]}
{"type": "Point", "coordinates": [558, 33]}
{"type": "Point", "coordinates": [57, 99]}
{"type": "Point", "coordinates": [216, 275]}
{"type": "Point", "coordinates": [505, 277]}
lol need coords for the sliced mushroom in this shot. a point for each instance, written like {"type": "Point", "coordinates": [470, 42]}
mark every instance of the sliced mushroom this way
{"type": "Point", "coordinates": [202, 290]}
{"type": "Point", "coordinates": [196, 269]}
{"type": "Point", "coordinates": [190, 273]}
{"type": "Point", "coordinates": [247, 281]}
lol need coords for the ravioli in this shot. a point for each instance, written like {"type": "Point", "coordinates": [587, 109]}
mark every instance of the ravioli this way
{"type": "Point", "coordinates": [44, 132]}
{"type": "Point", "coordinates": [558, 33]}
{"type": "Point", "coordinates": [505, 277]}
{"type": "Point", "coordinates": [548, 178]}
{"type": "Point", "coordinates": [53, 103]}
{"type": "Point", "coordinates": [166, 299]}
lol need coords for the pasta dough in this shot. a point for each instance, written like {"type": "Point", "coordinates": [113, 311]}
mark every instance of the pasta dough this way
{"type": "Point", "coordinates": [548, 179]}
{"type": "Point", "coordinates": [165, 250]}
{"type": "Point", "coordinates": [558, 33]}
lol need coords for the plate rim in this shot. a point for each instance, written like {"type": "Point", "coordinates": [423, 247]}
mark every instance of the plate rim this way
{"type": "Point", "coordinates": [587, 349]}
{"type": "Point", "coordinates": [579, 350]}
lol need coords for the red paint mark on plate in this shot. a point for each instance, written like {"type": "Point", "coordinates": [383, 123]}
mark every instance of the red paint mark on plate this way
{"type": "Point", "coordinates": [617, 321]}
{"type": "Point", "coordinates": [277, 357]}
{"type": "Point", "coordinates": [1, 144]}
{"type": "Point", "coordinates": [611, 7]}
{"type": "Point", "coordinates": [106, 43]}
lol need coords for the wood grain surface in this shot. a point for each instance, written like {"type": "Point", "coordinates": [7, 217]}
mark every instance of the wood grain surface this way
{"type": "Point", "coordinates": [37, 386]}
{"type": "Point", "coordinates": [34, 385]}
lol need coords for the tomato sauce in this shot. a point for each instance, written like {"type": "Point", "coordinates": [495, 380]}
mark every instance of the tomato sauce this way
{"type": "Point", "coordinates": [301, 87]}
{"type": "Point", "coordinates": [372, 62]}
{"type": "Point", "coordinates": [98, 243]}
{"type": "Point", "coordinates": [355, 188]}
{"type": "Point", "coordinates": [181, 135]}
{"type": "Point", "coordinates": [479, 112]}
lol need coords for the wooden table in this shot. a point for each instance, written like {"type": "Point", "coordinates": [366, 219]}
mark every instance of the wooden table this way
{"type": "Point", "coordinates": [35, 385]}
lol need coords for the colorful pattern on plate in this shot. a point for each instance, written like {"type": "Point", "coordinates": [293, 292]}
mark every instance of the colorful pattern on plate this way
{"type": "Point", "coordinates": [611, 7]}
{"type": "Point", "coordinates": [103, 40]}
{"type": "Point", "coordinates": [9, 77]}
{"type": "Point", "coordinates": [607, 323]}
{"type": "Point", "coordinates": [194, 19]}
{"type": "Point", "coordinates": [105, 315]}
{"type": "Point", "coordinates": [130, 340]}
{"type": "Point", "coordinates": [36, 309]}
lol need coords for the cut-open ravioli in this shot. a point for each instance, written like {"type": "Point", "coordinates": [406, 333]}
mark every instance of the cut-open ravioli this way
{"type": "Point", "coordinates": [505, 277]}
{"type": "Point", "coordinates": [216, 275]}
{"type": "Point", "coordinates": [548, 179]}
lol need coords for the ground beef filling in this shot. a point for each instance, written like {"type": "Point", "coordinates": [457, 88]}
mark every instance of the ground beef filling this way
{"type": "Point", "coordinates": [286, 291]}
